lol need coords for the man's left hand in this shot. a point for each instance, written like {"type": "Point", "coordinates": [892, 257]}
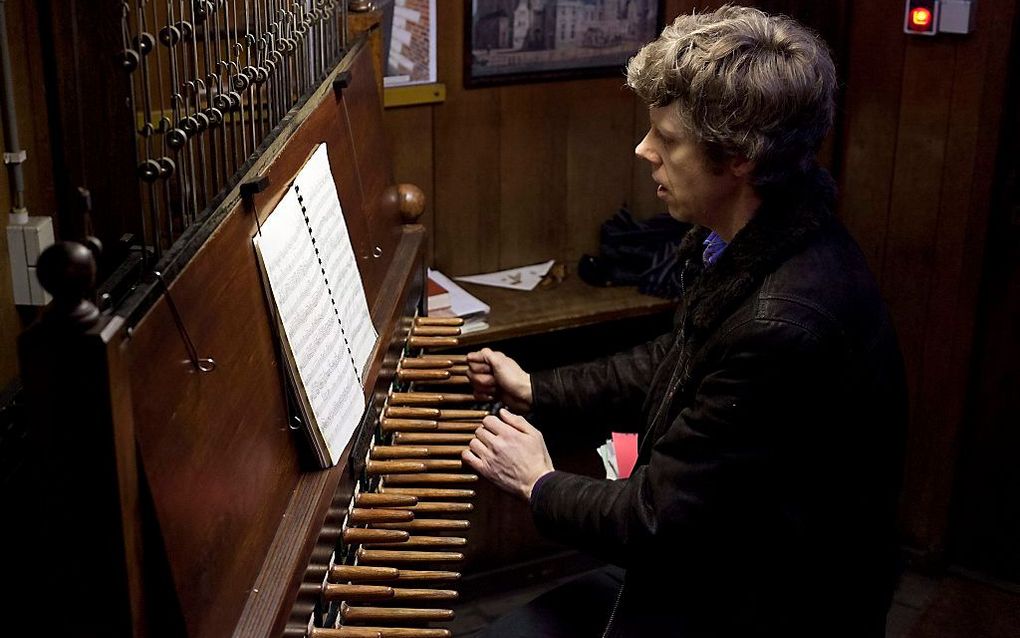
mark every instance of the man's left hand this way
{"type": "Point", "coordinates": [510, 452]}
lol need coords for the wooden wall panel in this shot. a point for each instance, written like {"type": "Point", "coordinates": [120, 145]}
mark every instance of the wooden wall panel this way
{"type": "Point", "coordinates": [409, 133]}
{"type": "Point", "coordinates": [596, 130]}
{"type": "Point", "coordinates": [533, 173]}
{"type": "Point", "coordinates": [467, 152]}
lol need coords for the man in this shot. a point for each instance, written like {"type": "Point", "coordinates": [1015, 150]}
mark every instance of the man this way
{"type": "Point", "coordinates": [771, 419]}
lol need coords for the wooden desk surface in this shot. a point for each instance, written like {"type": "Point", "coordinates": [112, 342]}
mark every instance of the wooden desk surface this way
{"type": "Point", "coordinates": [569, 304]}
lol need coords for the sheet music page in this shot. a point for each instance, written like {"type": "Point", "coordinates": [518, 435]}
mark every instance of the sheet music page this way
{"type": "Point", "coordinates": [310, 328]}
{"type": "Point", "coordinates": [317, 190]}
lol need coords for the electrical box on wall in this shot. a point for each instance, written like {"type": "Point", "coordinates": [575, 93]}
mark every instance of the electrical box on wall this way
{"type": "Point", "coordinates": [25, 241]}
{"type": "Point", "coordinates": [931, 17]}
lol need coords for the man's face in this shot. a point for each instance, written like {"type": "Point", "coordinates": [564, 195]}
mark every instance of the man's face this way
{"type": "Point", "coordinates": [694, 191]}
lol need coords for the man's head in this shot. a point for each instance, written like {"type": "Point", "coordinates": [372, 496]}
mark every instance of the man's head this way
{"type": "Point", "coordinates": [743, 85]}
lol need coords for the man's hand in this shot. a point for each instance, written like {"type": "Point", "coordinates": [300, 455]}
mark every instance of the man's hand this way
{"type": "Point", "coordinates": [510, 452]}
{"type": "Point", "coordinates": [495, 375]}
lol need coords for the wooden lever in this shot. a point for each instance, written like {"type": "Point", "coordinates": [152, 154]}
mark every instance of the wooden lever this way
{"type": "Point", "coordinates": [438, 438]}
{"type": "Point", "coordinates": [367, 573]}
{"type": "Point", "coordinates": [404, 412]}
{"type": "Point", "coordinates": [453, 380]}
{"type": "Point", "coordinates": [432, 342]}
{"type": "Point", "coordinates": [414, 479]}
{"type": "Point", "coordinates": [435, 331]}
{"type": "Point", "coordinates": [387, 614]}
{"type": "Point", "coordinates": [425, 363]}
{"type": "Point", "coordinates": [379, 632]}
{"type": "Point", "coordinates": [356, 592]}
{"type": "Point", "coordinates": [405, 467]}
{"type": "Point", "coordinates": [404, 593]}
{"type": "Point", "coordinates": [378, 515]}
{"type": "Point", "coordinates": [355, 535]}
{"type": "Point", "coordinates": [441, 508]}
{"type": "Point", "coordinates": [438, 321]}
{"type": "Point", "coordinates": [455, 358]}
{"type": "Point", "coordinates": [373, 499]}
{"type": "Point", "coordinates": [416, 542]}
{"type": "Point", "coordinates": [423, 375]}
{"type": "Point", "coordinates": [429, 492]}
{"type": "Point", "coordinates": [429, 398]}
{"type": "Point", "coordinates": [427, 425]}
{"type": "Point", "coordinates": [369, 556]}
{"type": "Point", "coordinates": [375, 468]}
{"type": "Point", "coordinates": [427, 524]}
{"type": "Point", "coordinates": [415, 452]}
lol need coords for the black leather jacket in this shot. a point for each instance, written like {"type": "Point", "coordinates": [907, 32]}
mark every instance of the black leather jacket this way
{"type": "Point", "coordinates": [771, 424]}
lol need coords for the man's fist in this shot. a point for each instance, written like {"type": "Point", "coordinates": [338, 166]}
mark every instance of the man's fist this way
{"type": "Point", "coordinates": [495, 375]}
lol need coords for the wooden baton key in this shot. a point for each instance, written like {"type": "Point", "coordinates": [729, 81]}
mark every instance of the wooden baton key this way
{"type": "Point", "coordinates": [355, 535]}
{"type": "Point", "coordinates": [439, 321]}
{"type": "Point", "coordinates": [426, 363]}
{"type": "Point", "coordinates": [432, 342]}
{"type": "Point", "coordinates": [441, 508]}
{"type": "Point", "coordinates": [424, 375]}
{"type": "Point", "coordinates": [435, 331]}
{"type": "Point", "coordinates": [427, 425]}
{"type": "Point", "coordinates": [356, 573]}
{"type": "Point", "coordinates": [427, 477]}
{"type": "Point", "coordinates": [437, 438]}
{"type": "Point", "coordinates": [429, 492]}
{"type": "Point", "coordinates": [425, 541]}
{"type": "Point", "coordinates": [429, 398]}
{"type": "Point", "coordinates": [380, 632]}
{"type": "Point", "coordinates": [374, 499]}
{"type": "Point", "coordinates": [361, 515]}
{"type": "Point", "coordinates": [452, 380]}
{"type": "Point", "coordinates": [356, 592]}
{"type": "Point", "coordinates": [427, 524]}
{"type": "Point", "coordinates": [369, 556]}
{"type": "Point", "coordinates": [375, 468]}
{"type": "Point", "coordinates": [415, 452]}
{"type": "Point", "coordinates": [364, 614]}
{"type": "Point", "coordinates": [455, 358]}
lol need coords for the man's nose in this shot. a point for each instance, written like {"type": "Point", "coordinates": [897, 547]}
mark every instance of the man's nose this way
{"type": "Point", "coordinates": [644, 150]}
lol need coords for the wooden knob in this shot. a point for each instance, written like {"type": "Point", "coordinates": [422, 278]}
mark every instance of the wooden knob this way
{"type": "Point", "coordinates": [411, 201]}
{"type": "Point", "coordinates": [67, 270]}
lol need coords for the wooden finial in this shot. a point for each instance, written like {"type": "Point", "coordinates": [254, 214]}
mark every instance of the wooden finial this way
{"type": "Point", "coordinates": [411, 201]}
{"type": "Point", "coordinates": [67, 270]}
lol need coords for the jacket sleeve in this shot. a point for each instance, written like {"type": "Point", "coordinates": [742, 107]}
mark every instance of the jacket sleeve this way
{"type": "Point", "coordinates": [717, 459]}
{"type": "Point", "coordinates": [607, 393]}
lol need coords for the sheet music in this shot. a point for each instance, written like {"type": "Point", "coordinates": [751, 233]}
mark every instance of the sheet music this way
{"type": "Point", "coordinates": [317, 190]}
{"type": "Point", "coordinates": [311, 332]}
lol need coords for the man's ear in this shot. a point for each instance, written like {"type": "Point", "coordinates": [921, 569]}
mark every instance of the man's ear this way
{"type": "Point", "coordinates": [741, 166]}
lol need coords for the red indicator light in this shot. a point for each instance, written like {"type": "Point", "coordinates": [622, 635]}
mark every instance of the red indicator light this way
{"type": "Point", "coordinates": [920, 17]}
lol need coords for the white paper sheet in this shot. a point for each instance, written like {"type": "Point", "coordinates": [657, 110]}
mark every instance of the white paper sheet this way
{"type": "Point", "coordinates": [317, 191]}
{"type": "Point", "coordinates": [462, 303]}
{"type": "Point", "coordinates": [310, 331]}
{"type": "Point", "coordinates": [523, 278]}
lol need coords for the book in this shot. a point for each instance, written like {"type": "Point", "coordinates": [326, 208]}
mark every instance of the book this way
{"type": "Point", "coordinates": [319, 305]}
{"type": "Point", "coordinates": [438, 297]}
{"type": "Point", "coordinates": [463, 304]}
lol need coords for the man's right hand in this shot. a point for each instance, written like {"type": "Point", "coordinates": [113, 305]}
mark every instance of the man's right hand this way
{"type": "Point", "coordinates": [495, 375]}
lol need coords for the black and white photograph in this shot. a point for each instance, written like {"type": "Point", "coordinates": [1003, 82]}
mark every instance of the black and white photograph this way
{"type": "Point", "coordinates": [523, 40]}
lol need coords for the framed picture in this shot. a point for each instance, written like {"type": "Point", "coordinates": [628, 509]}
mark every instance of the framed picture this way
{"type": "Point", "coordinates": [535, 40]}
{"type": "Point", "coordinates": [409, 41]}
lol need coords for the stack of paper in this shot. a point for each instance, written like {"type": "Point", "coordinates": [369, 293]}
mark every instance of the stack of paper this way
{"type": "Point", "coordinates": [463, 304]}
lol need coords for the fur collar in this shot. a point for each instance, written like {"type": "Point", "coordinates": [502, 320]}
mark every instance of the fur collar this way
{"type": "Point", "coordinates": [783, 225]}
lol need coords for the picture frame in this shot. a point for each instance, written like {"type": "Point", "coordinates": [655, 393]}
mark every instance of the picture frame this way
{"type": "Point", "coordinates": [518, 41]}
{"type": "Point", "coordinates": [409, 42]}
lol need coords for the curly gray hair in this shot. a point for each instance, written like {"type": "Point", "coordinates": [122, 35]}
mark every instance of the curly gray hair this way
{"type": "Point", "coordinates": [746, 84]}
